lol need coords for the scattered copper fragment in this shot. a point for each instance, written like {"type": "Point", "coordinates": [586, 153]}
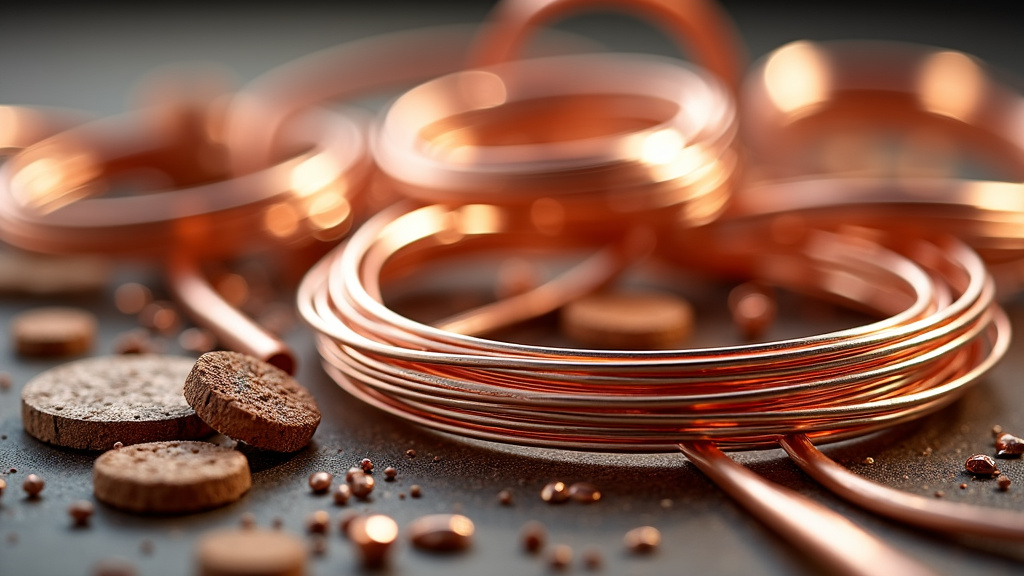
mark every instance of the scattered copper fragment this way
{"type": "Point", "coordinates": [753, 309]}
{"type": "Point", "coordinates": [410, 453]}
{"type": "Point", "coordinates": [554, 492]}
{"type": "Point", "coordinates": [441, 532]}
{"type": "Point", "coordinates": [341, 494]}
{"type": "Point", "coordinates": [320, 482]}
{"type": "Point", "coordinates": [390, 473]}
{"type": "Point", "coordinates": [367, 465]}
{"type": "Point", "coordinates": [373, 537]}
{"type": "Point", "coordinates": [561, 557]}
{"type": "Point", "coordinates": [584, 493]}
{"type": "Point", "coordinates": [132, 297]}
{"type": "Point", "coordinates": [352, 472]}
{"type": "Point", "coordinates": [533, 536]}
{"type": "Point", "coordinates": [593, 559]}
{"type": "Point", "coordinates": [415, 491]}
{"type": "Point", "coordinates": [997, 430]}
{"type": "Point", "coordinates": [1004, 482]}
{"type": "Point", "coordinates": [248, 521]}
{"type": "Point", "coordinates": [33, 485]}
{"type": "Point", "coordinates": [437, 458]}
{"type": "Point", "coordinates": [1009, 446]}
{"type": "Point", "coordinates": [940, 494]}
{"type": "Point", "coordinates": [642, 540]}
{"type": "Point", "coordinates": [981, 465]}
{"type": "Point", "coordinates": [963, 486]}
{"type": "Point", "coordinates": [80, 512]}
{"type": "Point", "coordinates": [318, 522]}
{"type": "Point", "coordinates": [361, 485]}
{"type": "Point", "coordinates": [505, 497]}
{"type": "Point", "coordinates": [869, 460]}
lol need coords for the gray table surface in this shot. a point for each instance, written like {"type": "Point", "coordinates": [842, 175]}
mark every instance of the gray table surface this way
{"type": "Point", "coordinates": [89, 57]}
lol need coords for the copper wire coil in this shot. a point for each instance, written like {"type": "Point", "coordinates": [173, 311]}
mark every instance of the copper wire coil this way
{"type": "Point", "coordinates": [943, 332]}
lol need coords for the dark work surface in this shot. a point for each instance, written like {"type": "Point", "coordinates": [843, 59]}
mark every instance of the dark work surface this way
{"type": "Point", "coordinates": [90, 59]}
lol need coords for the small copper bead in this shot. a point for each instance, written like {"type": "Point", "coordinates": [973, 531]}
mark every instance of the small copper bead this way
{"type": "Point", "coordinates": [373, 537]}
{"type": "Point", "coordinates": [561, 557]}
{"type": "Point", "coordinates": [33, 485]}
{"type": "Point", "coordinates": [361, 485]}
{"type": "Point", "coordinates": [118, 445]}
{"type": "Point", "coordinates": [320, 482]}
{"type": "Point", "coordinates": [410, 453]}
{"type": "Point", "coordinates": [981, 465]}
{"type": "Point", "coordinates": [554, 492]}
{"type": "Point", "coordinates": [1009, 446]}
{"type": "Point", "coordinates": [533, 536]}
{"type": "Point", "coordinates": [642, 540]}
{"type": "Point", "coordinates": [505, 497]}
{"type": "Point", "coordinates": [390, 473]}
{"type": "Point", "coordinates": [318, 522]}
{"type": "Point", "coordinates": [1004, 482]}
{"type": "Point", "coordinates": [441, 532]}
{"type": "Point", "coordinates": [415, 491]}
{"type": "Point", "coordinates": [80, 512]}
{"type": "Point", "coordinates": [584, 493]}
{"type": "Point", "coordinates": [366, 465]}
{"type": "Point", "coordinates": [341, 494]}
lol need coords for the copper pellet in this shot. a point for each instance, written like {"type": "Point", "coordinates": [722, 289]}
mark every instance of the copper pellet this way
{"type": "Point", "coordinates": [533, 536]}
{"type": "Point", "coordinates": [561, 557]}
{"type": "Point", "coordinates": [132, 297]}
{"type": "Point", "coordinates": [963, 486]}
{"type": "Point", "coordinates": [247, 521]}
{"type": "Point", "coordinates": [361, 485]}
{"type": "Point", "coordinates": [390, 473]}
{"type": "Point", "coordinates": [753, 310]}
{"type": "Point", "coordinates": [437, 458]}
{"type": "Point", "coordinates": [554, 492]}
{"type": "Point", "coordinates": [997, 430]}
{"type": "Point", "coordinates": [505, 498]}
{"type": "Point", "coordinates": [869, 460]}
{"type": "Point", "coordinates": [118, 445]}
{"type": "Point", "coordinates": [441, 532]}
{"type": "Point", "coordinates": [351, 472]}
{"type": "Point", "coordinates": [981, 465]}
{"type": "Point", "coordinates": [642, 540]}
{"type": "Point", "coordinates": [1009, 446]}
{"type": "Point", "coordinates": [415, 491]}
{"type": "Point", "coordinates": [320, 482]}
{"type": "Point", "coordinates": [940, 494]}
{"type": "Point", "coordinates": [584, 493]}
{"type": "Point", "coordinates": [318, 522]}
{"type": "Point", "coordinates": [341, 494]}
{"type": "Point", "coordinates": [1004, 482]}
{"type": "Point", "coordinates": [593, 559]}
{"type": "Point", "coordinates": [80, 512]}
{"type": "Point", "coordinates": [33, 485]}
{"type": "Point", "coordinates": [373, 537]}
{"type": "Point", "coordinates": [401, 495]}
{"type": "Point", "coordinates": [410, 453]}
{"type": "Point", "coordinates": [366, 465]}
{"type": "Point", "coordinates": [5, 381]}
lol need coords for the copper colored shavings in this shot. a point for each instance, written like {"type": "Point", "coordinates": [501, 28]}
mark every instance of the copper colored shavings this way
{"type": "Point", "coordinates": [554, 492]}
{"type": "Point", "coordinates": [533, 536]}
{"type": "Point", "coordinates": [981, 465]}
{"type": "Point", "coordinates": [642, 540]}
{"type": "Point", "coordinates": [33, 485]}
{"type": "Point", "coordinates": [80, 512]}
{"type": "Point", "coordinates": [441, 532]}
{"type": "Point", "coordinates": [320, 482]}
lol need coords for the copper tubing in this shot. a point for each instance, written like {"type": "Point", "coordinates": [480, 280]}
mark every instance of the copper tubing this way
{"type": "Point", "coordinates": [23, 126]}
{"type": "Point", "coordinates": [918, 511]}
{"type": "Point", "coordinates": [833, 542]}
{"type": "Point", "coordinates": [698, 25]}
